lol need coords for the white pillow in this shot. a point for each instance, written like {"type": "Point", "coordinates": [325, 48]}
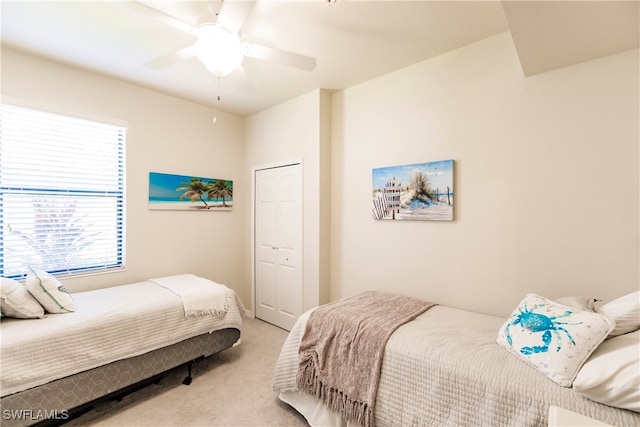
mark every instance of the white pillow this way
{"type": "Point", "coordinates": [625, 311]}
{"type": "Point", "coordinates": [581, 303]}
{"type": "Point", "coordinates": [553, 338]}
{"type": "Point", "coordinates": [612, 374]}
{"type": "Point", "coordinates": [49, 292]}
{"type": "Point", "coordinates": [16, 301]}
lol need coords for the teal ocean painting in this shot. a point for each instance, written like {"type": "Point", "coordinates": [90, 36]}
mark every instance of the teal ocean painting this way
{"type": "Point", "coordinates": [185, 192]}
{"type": "Point", "coordinates": [421, 191]}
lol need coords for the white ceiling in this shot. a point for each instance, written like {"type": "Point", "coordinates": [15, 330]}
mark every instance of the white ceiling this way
{"type": "Point", "coordinates": [352, 40]}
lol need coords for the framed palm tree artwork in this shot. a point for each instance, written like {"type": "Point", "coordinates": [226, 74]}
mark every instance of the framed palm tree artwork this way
{"type": "Point", "coordinates": [185, 192]}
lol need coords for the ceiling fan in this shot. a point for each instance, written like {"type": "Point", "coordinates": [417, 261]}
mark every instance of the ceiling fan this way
{"type": "Point", "coordinates": [219, 44]}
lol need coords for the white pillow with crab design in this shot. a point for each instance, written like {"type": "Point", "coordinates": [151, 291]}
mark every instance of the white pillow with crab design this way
{"type": "Point", "coordinates": [553, 338]}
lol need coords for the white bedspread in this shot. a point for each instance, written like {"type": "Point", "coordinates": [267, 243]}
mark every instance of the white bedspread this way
{"type": "Point", "coordinates": [445, 369]}
{"type": "Point", "coordinates": [200, 296]}
{"type": "Point", "coordinates": [108, 325]}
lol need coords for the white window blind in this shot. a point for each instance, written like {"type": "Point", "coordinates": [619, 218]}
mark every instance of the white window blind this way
{"type": "Point", "coordinates": [61, 193]}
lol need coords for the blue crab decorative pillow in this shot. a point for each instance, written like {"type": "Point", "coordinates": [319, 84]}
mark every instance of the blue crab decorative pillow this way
{"type": "Point", "coordinates": [553, 338]}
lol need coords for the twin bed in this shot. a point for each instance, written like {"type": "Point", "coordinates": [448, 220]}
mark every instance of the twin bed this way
{"type": "Point", "coordinates": [114, 339]}
{"type": "Point", "coordinates": [445, 368]}
{"type": "Point", "coordinates": [433, 365]}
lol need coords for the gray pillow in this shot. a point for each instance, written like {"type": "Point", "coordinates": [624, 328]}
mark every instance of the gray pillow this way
{"type": "Point", "coordinates": [580, 303]}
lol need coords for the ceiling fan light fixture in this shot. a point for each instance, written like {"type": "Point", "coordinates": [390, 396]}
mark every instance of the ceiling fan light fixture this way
{"type": "Point", "coordinates": [219, 49]}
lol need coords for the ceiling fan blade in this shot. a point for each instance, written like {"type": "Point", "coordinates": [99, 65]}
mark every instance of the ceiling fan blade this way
{"type": "Point", "coordinates": [245, 82]}
{"type": "Point", "coordinates": [172, 58]}
{"type": "Point", "coordinates": [279, 56]}
{"type": "Point", "coordinates": [167, 19]}
{"type": "Point", "coordinates": [234, 13]}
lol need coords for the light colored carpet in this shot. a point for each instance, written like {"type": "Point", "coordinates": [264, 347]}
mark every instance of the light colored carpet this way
{"type": "Point", "coordinates": [231, 388]}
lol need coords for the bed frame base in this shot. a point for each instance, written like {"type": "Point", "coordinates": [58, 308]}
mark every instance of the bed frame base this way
{"type": "Point", "coordinates": [187, 380]}
{"type": "Point", "coordinates": [119, 394]}
{"type": "Point", "coordinates": [70, 397]}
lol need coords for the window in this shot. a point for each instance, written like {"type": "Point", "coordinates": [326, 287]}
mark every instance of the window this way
{"type": "Point", "coordinates": [61, 193]}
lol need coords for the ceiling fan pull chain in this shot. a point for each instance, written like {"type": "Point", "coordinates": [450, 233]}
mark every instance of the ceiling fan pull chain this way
{"type": "Point", "coordinates": [215, 119]}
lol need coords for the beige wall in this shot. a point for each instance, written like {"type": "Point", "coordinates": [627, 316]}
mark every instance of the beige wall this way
{"type": "Point", "coordinates": [297, 130]}
{"type": "Point", "coordinates": [546, 176]}
{"type": "Point", "coordinates": [164, 134]}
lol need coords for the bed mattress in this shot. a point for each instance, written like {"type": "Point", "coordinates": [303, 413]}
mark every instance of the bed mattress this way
{"type": "Point", "coordinates": [108, 325]}
{"type": "Point", "coordinates": [444, 368]}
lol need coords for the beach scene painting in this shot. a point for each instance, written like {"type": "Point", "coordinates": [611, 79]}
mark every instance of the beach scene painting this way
{"type": "Point", "coordinates": [421, 191]}
{"type": "Point", "coordinates": [185, 192]}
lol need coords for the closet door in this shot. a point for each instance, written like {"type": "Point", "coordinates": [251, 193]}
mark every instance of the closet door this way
{"type": "Point", "coordinates": [278, 245]}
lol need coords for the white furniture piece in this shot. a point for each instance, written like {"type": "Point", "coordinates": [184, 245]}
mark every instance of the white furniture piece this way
{"type": "Point", "coordinates": [560, 417]}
